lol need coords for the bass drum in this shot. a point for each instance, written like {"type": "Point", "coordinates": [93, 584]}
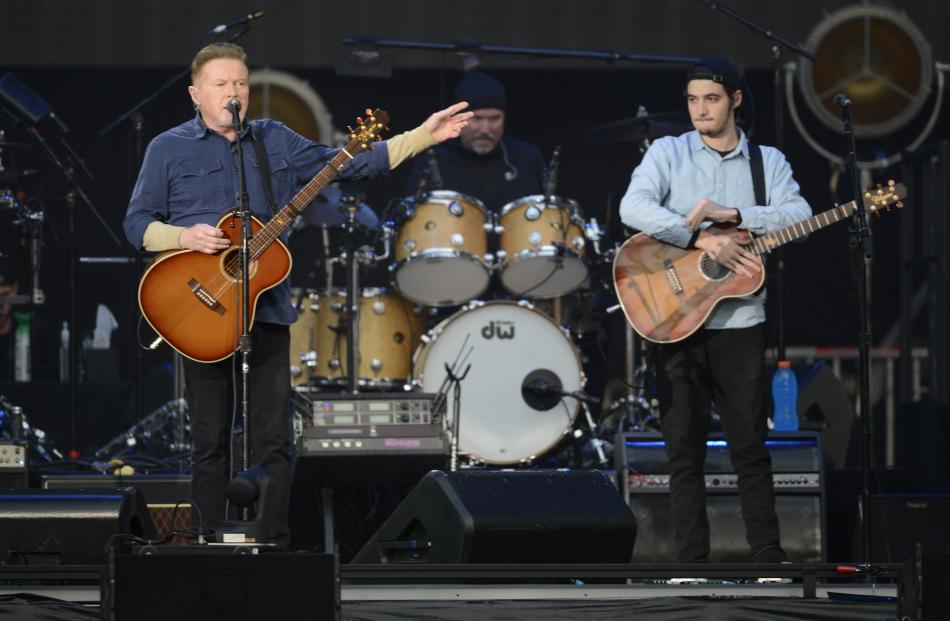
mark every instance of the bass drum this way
{"type": "Point", "coordinates": [507, 345]}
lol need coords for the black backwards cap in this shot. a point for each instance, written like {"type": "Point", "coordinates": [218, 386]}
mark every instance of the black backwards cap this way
{"type": "Point", "coordinates": [481, 90]}
{"type": "Point", "coordinates": [718, 69]}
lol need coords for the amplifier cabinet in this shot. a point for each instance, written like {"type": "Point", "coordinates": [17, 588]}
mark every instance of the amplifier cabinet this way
{"type": "Point", "coordinates": [797, 469]}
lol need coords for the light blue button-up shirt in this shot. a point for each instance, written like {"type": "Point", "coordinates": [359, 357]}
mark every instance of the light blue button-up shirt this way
{"type": "Point", "coordinates": [678, 171]}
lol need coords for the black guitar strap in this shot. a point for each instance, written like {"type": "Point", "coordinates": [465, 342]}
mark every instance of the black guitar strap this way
{"type": "Point", "coordinates": [758, 174]}
{"type": "Point", "coordinates": [263, 166]}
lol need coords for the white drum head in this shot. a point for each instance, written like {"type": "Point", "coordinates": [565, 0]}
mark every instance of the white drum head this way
{"type": "Point", "coordinates": [508, 341]}
{"type": "Point", "coordinates": [435, 280]}
{"type": "Point", "coordinates": [540, 276]}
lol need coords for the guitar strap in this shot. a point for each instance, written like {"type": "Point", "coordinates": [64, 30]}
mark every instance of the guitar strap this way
{"type": "Point", "coordinates": [758, 174]}
{"type": "Point", "coordinates": [263, 166]}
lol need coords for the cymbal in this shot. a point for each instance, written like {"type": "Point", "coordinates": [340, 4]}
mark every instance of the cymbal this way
{"type": "Point", "coordinates": [331, 208]}
{"type": "Point", "coordinates": [638, 128]}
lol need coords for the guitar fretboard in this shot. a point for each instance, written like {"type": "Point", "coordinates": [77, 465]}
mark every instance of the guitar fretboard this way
{"type": "Point", "coordinates": [767, 243]}
{"type": "Point", "coordinates": [285, 217]}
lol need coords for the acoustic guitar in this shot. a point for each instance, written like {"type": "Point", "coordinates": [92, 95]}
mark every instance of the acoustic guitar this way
{"type": "Point", "coordinates": [193, 300]}
{"type": "Point", "coordinates": [667, 293]}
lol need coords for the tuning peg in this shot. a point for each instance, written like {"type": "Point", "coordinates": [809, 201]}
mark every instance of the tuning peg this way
{"type": "Point", "coordinates": [349, 130]}
{"type": "Point", "coordinates": [900, 204]}
{"type": "Point", "coordinates": [369, 112]}
{"type": "Point", "coordinates": [359, 120]}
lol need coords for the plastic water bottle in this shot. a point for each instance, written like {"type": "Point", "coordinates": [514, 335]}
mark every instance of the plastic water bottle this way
{"type": "Point", "coordinates": [785, 397]}
{"type": "Point", "coordinates": [21, 347]}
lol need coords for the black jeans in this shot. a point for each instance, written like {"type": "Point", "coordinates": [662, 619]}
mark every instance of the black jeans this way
{"type": "Point", "coordinates": [725, 366]}
{"type": "Point", "coordinates": [214, 397]}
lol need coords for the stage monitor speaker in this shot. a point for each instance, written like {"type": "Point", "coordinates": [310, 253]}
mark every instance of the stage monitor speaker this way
{"type": "Point", "coordinates": [507, 517]}
{"type": "Point", "coordinates": [211, 583]}
{"type": "Point", "coordinates": [42, 527]}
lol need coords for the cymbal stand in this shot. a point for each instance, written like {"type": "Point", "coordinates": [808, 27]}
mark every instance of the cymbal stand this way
{"type": "Point", "coordinates": [354, 256]}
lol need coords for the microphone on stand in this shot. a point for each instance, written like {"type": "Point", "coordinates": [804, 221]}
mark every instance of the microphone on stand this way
{"type": "Point", "coordinates": [842, 101]}
{"type": "Point", "coordinates": [243, 21]}
{"type": "Point", "coordinates": [235, 107]}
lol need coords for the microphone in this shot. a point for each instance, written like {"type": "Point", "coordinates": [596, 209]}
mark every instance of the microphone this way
{"type": "Point", "coordinates": [243, 21]}
{"type": "Point", "coordinates": [542, 389]}
{"type": "Point", "coordinates": [235, 107]}
{"type": "Point", "coordinates": [842, 101]}
{"type": "Point", "coordinates": [550, 177]}
{"type": "Point", "coordinates": [435, 176]}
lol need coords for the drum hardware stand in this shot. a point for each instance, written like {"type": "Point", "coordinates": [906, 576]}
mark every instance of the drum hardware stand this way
{"type": "Point", "coordinates": [456, 382]}
{"type": "Point", "coordinates": [438, 402]}
{"type": "Point", "coordinates": [352, 299]}
{"type": "Point", "coordinates": [592, 429]}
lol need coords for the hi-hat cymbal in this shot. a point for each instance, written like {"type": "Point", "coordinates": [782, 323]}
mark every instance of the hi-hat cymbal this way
{"type": "Point", "coordinates": [638, 128]}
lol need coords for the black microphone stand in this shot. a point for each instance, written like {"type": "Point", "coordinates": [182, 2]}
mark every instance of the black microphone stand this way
{"type": "Point", "coordinates": [775, 57]}
{"type": "Point", "coordinates": [243, 212]}
{"type": "Point", "coordinates": [860, 242]}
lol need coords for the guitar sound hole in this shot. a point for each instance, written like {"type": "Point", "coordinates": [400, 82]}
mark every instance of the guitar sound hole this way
{"type": "Point", "coordinates": [231, 264]}
{"type": "Point", "coordinates": [712, 270]}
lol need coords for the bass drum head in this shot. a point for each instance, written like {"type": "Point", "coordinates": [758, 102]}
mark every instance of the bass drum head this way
{"type": "Point", "coordinates": [507, 341]}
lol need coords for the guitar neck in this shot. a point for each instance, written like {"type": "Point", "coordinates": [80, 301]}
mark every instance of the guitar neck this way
{"type": "Point", "coordinates": [766, 243]}
{"type": "Point", "coordinates": [285, 217]}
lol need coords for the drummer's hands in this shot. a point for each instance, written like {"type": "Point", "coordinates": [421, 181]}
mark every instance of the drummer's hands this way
{"type": "Point", "coordinates": [448, 123]}
{"type": "Point", "coordinates": [707, 209]}
{"type": "Point", "coordinates": [203, 238]}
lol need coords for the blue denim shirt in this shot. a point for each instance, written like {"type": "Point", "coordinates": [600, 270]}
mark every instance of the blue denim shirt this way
{"type": "Point", "coordinates": [190, 176]}
{"type": "Point", "coordinates": [678, 171]}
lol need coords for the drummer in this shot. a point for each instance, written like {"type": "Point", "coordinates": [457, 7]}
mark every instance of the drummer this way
{"type": "Point", "coordinates": [483, 162]}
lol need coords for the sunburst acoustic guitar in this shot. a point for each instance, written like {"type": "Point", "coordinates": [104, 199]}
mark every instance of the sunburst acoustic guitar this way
{"type": "Point", "coordinates": [193, 300]}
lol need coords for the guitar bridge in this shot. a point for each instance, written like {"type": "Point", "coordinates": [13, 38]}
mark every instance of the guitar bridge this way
{"type": "Point", "coordinates": [672, 277]}
{"type": "Point", "coordinates": [206, 298]}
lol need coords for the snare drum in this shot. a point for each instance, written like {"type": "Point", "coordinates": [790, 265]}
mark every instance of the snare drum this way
{"type": "Point", "coordinates": [507, 344]}
{"type": "Point", "coordinates": [389, 331]}
{"type": "Point", "coordinates": [544, 245]}
{"type": "Point", "coordinates": [440, 250]}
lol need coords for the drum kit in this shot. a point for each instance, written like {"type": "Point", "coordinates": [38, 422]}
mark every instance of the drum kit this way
{"type": "Point", "coordinates": [523, 394]}
{"type": "Point", "coordinates": [439, 256]}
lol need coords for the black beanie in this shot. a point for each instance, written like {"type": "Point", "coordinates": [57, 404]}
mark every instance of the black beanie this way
{"type": "Point", "coordinates": [481, 90]}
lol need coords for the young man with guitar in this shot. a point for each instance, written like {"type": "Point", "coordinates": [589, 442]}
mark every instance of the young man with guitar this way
{"type": "Point", "coordinates": [714, 175]}
{"type": "Point", "coordinates": [188, 182]}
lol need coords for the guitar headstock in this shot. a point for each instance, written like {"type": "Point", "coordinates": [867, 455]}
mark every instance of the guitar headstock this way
{"type": "Point", "coordinates": [884, 197]}
{"type": "Point", "coordinates": [367, 131]}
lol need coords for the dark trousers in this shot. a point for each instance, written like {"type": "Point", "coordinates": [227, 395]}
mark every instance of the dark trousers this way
{"type": "Point", "coordinates": [726, 367]}
{"type": "Point", "coordinates": [213, 392]}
